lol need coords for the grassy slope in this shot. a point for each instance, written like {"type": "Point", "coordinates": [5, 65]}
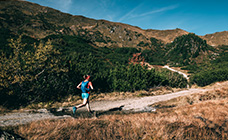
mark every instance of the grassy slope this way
{"type": "Point", "coordinates": [205, 117]}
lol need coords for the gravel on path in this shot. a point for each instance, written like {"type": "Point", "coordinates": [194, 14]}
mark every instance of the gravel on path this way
{"type": "Point", "coordinates": [139, 104]}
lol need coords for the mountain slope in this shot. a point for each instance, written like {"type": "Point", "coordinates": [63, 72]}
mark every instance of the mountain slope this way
{"type": "Point", "coordinates": [188, 49]}
{"type": "Point", "coordinates": [218, 38]}
{"type": "Point", "coordinates": [38, 22]}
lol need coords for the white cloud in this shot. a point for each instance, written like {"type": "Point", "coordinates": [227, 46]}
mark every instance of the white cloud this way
{"type": "Point", "coordinates": [129, 13]}
{"type": "Point", "coordinates": [110, 17]}
{"type": "Point", "coordinates": [159, 10]}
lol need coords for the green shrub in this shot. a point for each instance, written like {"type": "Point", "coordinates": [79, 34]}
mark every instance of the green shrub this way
{"type": "Point", "coordinates": [136, 77]}
{"type": "Point", "coordinates": [49, 71]}
{"type": "Point", "coordinates": [173, 79]}
{"type": "Point", "coordinates": [131, 78]}
{"type": "Point", "coordinates": [204, 78]}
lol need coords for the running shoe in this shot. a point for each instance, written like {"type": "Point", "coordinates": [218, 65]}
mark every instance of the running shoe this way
{"type": "Point", "coordinates": [74, 109]}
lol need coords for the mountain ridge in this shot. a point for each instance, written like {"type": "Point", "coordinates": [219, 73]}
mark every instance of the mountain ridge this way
{"type": "Point", "coordinates": [39, 21]}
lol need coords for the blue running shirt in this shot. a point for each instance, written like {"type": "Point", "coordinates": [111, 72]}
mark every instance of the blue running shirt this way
{"type": "Point", "coordinates": [84, 87]}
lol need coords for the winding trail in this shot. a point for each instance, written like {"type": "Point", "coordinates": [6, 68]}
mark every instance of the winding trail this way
{"type": "Point", "coordinates": [185, 75]}
{"type": "Point", "coordinates": [140, 104]}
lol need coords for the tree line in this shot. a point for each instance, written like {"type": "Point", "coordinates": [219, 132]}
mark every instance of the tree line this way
{"type": "Point", "coordinates": [50, 69]}
{"type": "Point", "coordinates": [45, 70]}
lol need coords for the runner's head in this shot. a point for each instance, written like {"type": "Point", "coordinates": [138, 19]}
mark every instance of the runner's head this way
{"type": "Point", "coordinates": [86, 77]}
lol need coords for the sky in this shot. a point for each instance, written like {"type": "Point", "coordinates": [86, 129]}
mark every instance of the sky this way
{"type": "Point", "coordinates": [196, 16]}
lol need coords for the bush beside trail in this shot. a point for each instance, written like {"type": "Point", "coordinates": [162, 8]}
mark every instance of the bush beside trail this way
{"type": "Point", "coordinates": [136, 77]}
{"type": "Point", "coordinates": [208, 77]}
{"type": "Point", "coordinates": [214, 71]}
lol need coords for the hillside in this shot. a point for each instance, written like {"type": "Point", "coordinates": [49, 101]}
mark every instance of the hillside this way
{"type": "Point", "coordinates": [38, 22]}
{"type": "Point", "coordinates": [45, 52]}
{"type": "Point", "coordinates": [44, 55]}
{"type": "Point", "coordinates": [188, 49]}
{"type": "Point", "coordinates": [218, 38]}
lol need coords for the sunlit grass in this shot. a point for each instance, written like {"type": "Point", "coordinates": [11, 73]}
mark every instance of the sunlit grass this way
{"type": "Point", "coordinates": [202, 119]}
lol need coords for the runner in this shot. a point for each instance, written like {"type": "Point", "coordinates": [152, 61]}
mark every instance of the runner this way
{"type": "Point", "coordinates": [85, 87]}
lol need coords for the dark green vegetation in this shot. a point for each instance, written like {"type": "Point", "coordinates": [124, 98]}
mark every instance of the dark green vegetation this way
{"type": "Point", "coordinates": [216, 70]}
{"type": "Point", "coordinates": [135, 77]}
{"type": "Point", "coordinates": [187, 49]}
{"type": "Point", "coordinates": [55, 50]}
{"type": "Point", "coordinates": [50, 69]}
{"type": "Point", "coordinates": [207, 64]}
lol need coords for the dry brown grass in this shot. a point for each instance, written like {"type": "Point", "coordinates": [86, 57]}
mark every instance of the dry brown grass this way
{"type": "Point", "coordinates": [203, 119]}
{"type": "Point", "coordinates": [217, 91]}
{"type": "Point", "coordinates": [206, 120]}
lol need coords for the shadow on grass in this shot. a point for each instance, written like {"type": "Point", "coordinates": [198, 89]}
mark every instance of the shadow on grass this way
{"type": "Point", "coordinates": [86, 114]}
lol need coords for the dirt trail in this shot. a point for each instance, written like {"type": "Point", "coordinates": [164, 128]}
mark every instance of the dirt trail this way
{"type": "Point", "coordinates": [185, 75]}
{"type": "Point", "coordinates": [140, 104]}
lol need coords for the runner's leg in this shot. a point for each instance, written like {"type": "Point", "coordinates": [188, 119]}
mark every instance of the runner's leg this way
{"type": "Point", "coordinates": [83, 104]}
{"type": "Point", "coordinates": [88, 106]}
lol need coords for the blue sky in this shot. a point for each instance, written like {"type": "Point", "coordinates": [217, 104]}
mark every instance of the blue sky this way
{"type": "Point", "coordinates": [197, 16]}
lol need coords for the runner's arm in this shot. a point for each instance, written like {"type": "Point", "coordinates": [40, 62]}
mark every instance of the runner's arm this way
{"type": "Point", "coordinates": [90, 85]}
{"type": "Point", "coordinates": [79, 86]}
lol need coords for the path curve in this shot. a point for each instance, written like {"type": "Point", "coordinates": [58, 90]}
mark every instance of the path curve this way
{"type": "Point", "coordinates": [185, 75]}
{"type": "Point", "coordinates": [140, 103]}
